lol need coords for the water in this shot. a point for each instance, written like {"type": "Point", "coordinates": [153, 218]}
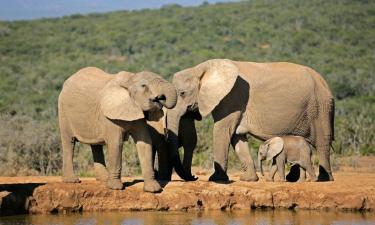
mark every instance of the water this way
{"type": "Point", "coordinates": [197, 218]}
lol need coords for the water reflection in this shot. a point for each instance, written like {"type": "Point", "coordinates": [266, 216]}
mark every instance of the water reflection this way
{"type": "Point", "coordinates": [257, 217]}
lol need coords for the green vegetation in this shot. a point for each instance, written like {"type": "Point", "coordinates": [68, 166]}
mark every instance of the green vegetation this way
{"type": "Point", "coordinates": [336, 38]}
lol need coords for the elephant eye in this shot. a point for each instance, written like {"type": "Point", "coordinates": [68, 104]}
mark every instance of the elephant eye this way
{"type": "Point", "coordinates": [143, 85]}
{"type": "Point", "coordinates": [182, 93]}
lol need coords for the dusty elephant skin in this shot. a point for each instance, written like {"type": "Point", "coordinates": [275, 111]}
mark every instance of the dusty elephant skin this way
{"type": "Point", "coordinates": [261, 99]}
{"type": "Point", "coordinates": [97, 108]}
{"type": "Point", "coordinates": [91, 195]}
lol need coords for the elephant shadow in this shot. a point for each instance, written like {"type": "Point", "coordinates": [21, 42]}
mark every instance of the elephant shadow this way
{"type": "Point", "coordinates": [131, 183]}
{"type": "Point", "coordinates": [293, 174]}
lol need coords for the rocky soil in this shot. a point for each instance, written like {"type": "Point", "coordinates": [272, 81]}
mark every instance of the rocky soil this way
{"type": "Point", "coordinates": [350, 191]}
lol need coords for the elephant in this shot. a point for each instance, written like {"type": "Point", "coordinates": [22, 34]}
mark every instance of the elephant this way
{"type": "Point", "coordinates": [293, 149]}
{"type": "Point", "coordinates": [166, 160]}
{"type": "Point", "coordinates": [98, 108]}
{"type": "Point", "coordinates": [264, 100]}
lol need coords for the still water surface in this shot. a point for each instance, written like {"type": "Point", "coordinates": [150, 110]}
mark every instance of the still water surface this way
{"type": "Point", "coordinates": [197, 218]}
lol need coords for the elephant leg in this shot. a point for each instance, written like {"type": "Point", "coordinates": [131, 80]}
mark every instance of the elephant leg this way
{"type": "Point", "coordinates": [188, 158]}
{"type": "Point", "coordinates": [188, 138]}
{"type": "Point", "coordinates": [302, 174]}
{"type": "Point", "coordinates": [223, 130]}
{"type": "Point", "coordinates": [164, 166]}
{"type": "Point", "coordinates": [114, 162]}
{"type": "Point", "coordinates": [323, 142]}
{"type": "Point", "coordinates": [68, 143]}
{"type": "Point", "coordinates": [273, 169]}
{"type": "Point", "coordinates": [323, 150]}
{"type": "Point", "coordinates": [280, 163]}
{"type": "Point", "coordinates": [239, 143]}
{"type": "Point", "coordinates": [101, 172]}
{"type": "Point", "coordinates": [142, 139]}
{"type": "Point", "coordinates": [310, 171]}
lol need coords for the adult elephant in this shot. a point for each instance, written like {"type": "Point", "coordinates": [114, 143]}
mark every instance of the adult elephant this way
{"type": "Point", "coordinates": [97, 108]}
{"type": "Point", "coordinates": [263, 99]}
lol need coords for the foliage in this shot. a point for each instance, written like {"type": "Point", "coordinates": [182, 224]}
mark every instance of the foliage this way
{"type": "Point", "coordinates": [334, 37]}
{"type": "Point", "coordinates": [28, 147]}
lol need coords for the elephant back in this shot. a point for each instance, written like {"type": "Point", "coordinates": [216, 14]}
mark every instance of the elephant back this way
{"type": "Point", "coordinates": [281, 95]}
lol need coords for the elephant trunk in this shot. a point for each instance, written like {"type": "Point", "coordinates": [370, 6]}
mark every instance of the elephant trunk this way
{"type": "Point", "coordinates": [173, 121]}
{"type": "Point", "coordinates": [260, 163]}
{"type": "Point", "coordinates": [167, 94]}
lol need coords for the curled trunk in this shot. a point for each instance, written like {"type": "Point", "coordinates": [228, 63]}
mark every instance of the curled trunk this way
{"type": "Point", "coordinates": [167, 94]}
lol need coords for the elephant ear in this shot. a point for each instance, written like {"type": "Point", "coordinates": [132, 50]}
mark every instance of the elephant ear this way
{"type": "Point", "coordinates": [216, 81]}
{"type": "Point", "coordinates": [116, 103]}
{"type": "Point", "coordinates": [275, 146]}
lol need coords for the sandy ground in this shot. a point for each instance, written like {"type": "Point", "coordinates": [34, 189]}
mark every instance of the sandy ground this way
{"type": "Point", "coordinates": [350, 191]}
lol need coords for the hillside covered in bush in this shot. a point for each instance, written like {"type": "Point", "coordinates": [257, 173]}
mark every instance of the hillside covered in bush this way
{"type": "Point", "coordinates": [336, 38]}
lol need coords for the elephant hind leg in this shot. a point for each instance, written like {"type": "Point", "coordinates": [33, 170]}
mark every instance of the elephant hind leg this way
{"type": "Point", "coordinates": [101, 172]}
{"type": "Point", "coordinates": [323, 142]}
{"type": "Point", "coordinates": [302, 174]}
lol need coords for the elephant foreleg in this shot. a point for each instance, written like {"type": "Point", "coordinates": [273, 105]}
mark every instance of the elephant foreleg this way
{"type": "Point", "coordinates": [101, 172]}
{"type": "Point", "coordinates": [68, 143]}
{"type": "Point", "coordinates": [114, 162]}
{"type": "Point", "coordinates": [239, 143]}
{"type": "Point", "coordinates": [142, 139]}
{"type": "Point", "coordinates": [272, 172]}
{"type": "Point", "coordinates": [222, 136]}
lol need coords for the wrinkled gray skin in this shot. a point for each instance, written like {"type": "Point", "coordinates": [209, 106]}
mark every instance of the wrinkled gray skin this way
{"type": "Point", "coordinates": [261, 99]}
{"type": "Point", "coordinates": [166, 159]}
{"type": "Point", "coordinates": [97, 108]}
{"type": "Point", "coordinates": [292, 149]}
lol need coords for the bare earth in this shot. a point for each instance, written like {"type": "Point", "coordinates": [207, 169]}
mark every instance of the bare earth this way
{"type": "Point", "coordinates": [349, 191]}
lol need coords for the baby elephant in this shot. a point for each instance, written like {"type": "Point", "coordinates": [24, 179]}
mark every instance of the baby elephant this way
{"type": "Point", "coordinates": [293, 149]}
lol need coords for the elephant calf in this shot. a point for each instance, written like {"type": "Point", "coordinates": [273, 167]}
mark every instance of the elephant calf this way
{"type": "Point", "coordinates": [293, 149]}
{"type": "Point", "coordinates": [97, 108]}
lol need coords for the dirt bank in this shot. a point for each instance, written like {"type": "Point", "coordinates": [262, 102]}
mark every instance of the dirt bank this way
{"type": "Point", "coordinates": [350, 191]}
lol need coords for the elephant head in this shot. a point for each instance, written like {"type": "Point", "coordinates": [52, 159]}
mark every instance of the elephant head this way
{"type": "Point", "coordinates": [127, 96]}
{"type": "Point", "coordinates": [268, 150]}
{"type": "Point", "coordinates": [196, 96]}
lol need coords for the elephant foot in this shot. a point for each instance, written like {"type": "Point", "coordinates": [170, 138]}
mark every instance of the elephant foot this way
{"type": "Point", "coordinates": [70, 179]}
{"type": "Point", "coordinates": [269, 179]}
{"type": "Point", "coordinates": [249, 177]}
{"type": "Point", "coordinates": [115, 184]}
{"type": "Point", "coordinates": [220, 178]}
{"type": "Point", "coordinates": [152, 186]}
